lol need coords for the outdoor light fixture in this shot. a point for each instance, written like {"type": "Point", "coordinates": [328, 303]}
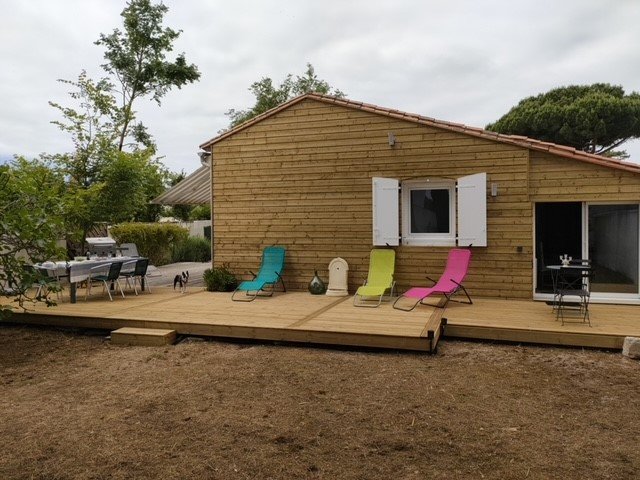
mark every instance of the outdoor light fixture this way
{"type": "Point", "coordinates": [392, 139]}
{"type": "Point", "coordinates": [494, 189]}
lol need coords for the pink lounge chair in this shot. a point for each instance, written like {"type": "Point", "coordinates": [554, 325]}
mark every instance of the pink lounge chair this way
{"type": "Point", "coordinates": [449, 284]}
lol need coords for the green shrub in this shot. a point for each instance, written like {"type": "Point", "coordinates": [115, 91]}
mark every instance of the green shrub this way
{"type": "Point", "coordinates": [193, 249]}
{"type": "Point", "coordinates": [219, 279]}
{"type": "Point", "coordinates": [155, 241]}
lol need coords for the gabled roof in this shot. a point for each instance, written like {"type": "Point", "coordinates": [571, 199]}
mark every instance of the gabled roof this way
{"type": "Point", "coordinates": [194, 189]}
{"type": "Point", "coordinates": [525, 142]}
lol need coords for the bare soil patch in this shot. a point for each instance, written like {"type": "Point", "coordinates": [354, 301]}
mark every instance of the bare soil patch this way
{"type": "Point", "coordinates": [77, 407]}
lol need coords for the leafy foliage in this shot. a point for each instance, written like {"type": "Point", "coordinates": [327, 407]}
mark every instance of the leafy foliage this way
{"type": "Point", "coordinates": [64, 195]}
{"type": "Point", "coordinates": [193, 249]}
{"type": "Point", "coordinates": [31, 222]}
{"type": "Point", "coordinates": [154, 240]}
{"type": "Point", "coordinates": [181, 212]}
{"type": "Point", "coordinates": [105, 183]}
{"type": "Point", "coordinates": [219, 279]}
{"type": "Point", "coordinates": [269, 96]}
{"type": "Point", "coordinates": [137, 58]}
{"type": "Point", "coordinates": [81, 212]}
{"type": "Point", "coordinates": [115, 188]}
{"type": "Point", "coordinates": [595, 118]}
{"type": "Point", "coordinates": [129, 181]}
{"type": "Point", "coordinates": [90, 126]}
{"type": "Point", "coordinates": [200, 212]}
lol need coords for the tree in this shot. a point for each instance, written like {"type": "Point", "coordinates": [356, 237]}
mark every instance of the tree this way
{"type": "Point", "coordinates": [105, 182]}
{"type": "Point", "coordinates": [595, 118]}
{"type": "Point", "coordinates": [127, 182]}
{"type": "Point", "coordinates": [269, 96]}
{"type": "Point", "coordinates": [180, 212]}
{"type": "Point", "coordinates": [91, 128]}
{"type": "Point", "coordinates": [136, 57]}
{"type": "Point", "coordinates": [31, 222]}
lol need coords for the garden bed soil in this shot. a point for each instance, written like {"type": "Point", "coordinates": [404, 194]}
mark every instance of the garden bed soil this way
{"type": "Point", "coordinates": [76, 407]}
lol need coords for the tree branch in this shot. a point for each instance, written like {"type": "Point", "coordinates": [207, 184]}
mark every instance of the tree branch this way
{"type": "Point", "coordinates": [611, 147]}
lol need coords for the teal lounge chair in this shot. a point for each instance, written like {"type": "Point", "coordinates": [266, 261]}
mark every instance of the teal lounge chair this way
{"type": "Point", "coordinates": [264, 283]}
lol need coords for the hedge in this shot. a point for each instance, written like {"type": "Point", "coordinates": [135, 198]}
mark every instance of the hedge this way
{"type": "Point", "coordinates": [193, 249]}
{"type": "Point", "coordinates": [155, 241]}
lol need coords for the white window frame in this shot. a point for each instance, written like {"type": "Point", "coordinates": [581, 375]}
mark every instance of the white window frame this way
{"type": "Point", "coordinates": [428, 239]}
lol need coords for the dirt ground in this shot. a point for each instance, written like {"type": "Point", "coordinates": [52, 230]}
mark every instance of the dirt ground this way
{"type": "Point", "coordinates": [76, 407]}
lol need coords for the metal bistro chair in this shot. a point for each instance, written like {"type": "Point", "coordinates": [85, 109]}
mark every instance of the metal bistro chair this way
{"type": "Point", "coordinates": [574, 283]}
{"type": "Point", "coordinates": [136, 271]}
{"type": "Point", "coordinates": [110, 278]}
{"type": "Point", "coordinates": [42, 280]}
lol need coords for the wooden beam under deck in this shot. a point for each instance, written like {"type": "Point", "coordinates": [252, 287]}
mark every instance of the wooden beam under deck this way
{"type": "Point", "coordinates": [304, 318]}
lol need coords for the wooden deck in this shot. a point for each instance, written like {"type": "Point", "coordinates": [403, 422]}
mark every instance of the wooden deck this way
{"type": "Point", "coordinates": [291, 317]}
{"type": "Point", "coordinates": [300, 317]}
{"type": "Point", "coordinates": [535, 322]}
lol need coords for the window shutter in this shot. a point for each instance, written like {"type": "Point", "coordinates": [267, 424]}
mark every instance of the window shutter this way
{"type": "Point", "coordinates": [385, 211]}
{"type": "Point", "coordinates": [472, 210]}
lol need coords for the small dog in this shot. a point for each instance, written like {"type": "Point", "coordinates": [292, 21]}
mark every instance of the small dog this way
{"type": "Point", "coordinates": [183, 280]}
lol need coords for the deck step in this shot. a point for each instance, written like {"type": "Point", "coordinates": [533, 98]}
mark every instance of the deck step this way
{"type": "Point", "coordinates": [143, 336]}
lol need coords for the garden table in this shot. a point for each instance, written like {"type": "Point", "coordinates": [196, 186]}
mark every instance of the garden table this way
{"type": "Point", "coordinates": [79, 270]}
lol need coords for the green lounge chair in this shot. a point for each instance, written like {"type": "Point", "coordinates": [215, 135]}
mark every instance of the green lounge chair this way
{"type": "Point", "coordinates": [269, 275]}
{"type": "Point", "coordinates": [380, 279]}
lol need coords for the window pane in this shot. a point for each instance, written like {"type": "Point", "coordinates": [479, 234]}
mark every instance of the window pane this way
{"type": "Point", "coordinates": [430, 211]}
{"type": "Point", "coordinates": [613, 248]}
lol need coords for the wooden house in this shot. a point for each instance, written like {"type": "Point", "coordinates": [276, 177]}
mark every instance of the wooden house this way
{"type": "Point", "coordinates": [329, 177]}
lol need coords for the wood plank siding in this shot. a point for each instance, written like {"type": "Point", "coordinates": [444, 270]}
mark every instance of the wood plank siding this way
{"type": "Point", "coordinates": [554, 179]}
{"type": "Point", "coordinates": [302, 178]}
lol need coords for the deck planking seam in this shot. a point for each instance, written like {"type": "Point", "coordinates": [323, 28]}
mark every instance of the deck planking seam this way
{"type": "Point", "coordinates": [124, 311]}
{"type": "Point", "coordinates": [317, 313]}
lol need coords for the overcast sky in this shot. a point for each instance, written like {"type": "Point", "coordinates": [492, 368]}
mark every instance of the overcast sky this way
{"type": "Point", "coordinates": [463, 61]}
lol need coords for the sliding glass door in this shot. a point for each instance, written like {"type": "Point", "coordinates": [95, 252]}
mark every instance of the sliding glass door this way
{"type": "Point", "coordinates": [606, 234]}
{"type": "Point", "coordinates": [613, 247]}
{"type": "Point", "coordinates": [558, 232]}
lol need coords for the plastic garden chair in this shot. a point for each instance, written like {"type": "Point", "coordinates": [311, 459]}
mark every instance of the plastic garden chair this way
{"type": "Point", "coordinates": [135, 271]}
{"type": "Point", "coordinates": [264, 283]}
{"type": "Point", "coordinates": [43, 280]}
{"type": "Point", "coordinates": [449, 284]}
{"type": "Point", "coordinates": [111, 277]}
{"type": "Point", "coordinates": [379, 280]}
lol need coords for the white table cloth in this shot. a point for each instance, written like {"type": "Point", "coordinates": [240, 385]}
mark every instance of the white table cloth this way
{"type": "Point", "coordinates": [79, 270]}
